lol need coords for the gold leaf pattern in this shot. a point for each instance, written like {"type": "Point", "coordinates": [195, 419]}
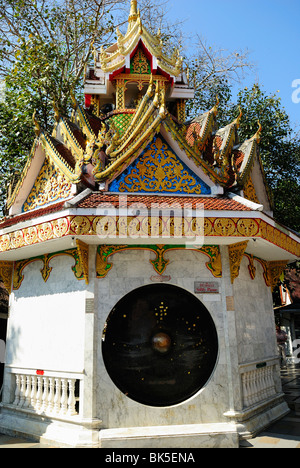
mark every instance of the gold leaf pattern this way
{"type": "Point", "coordinates": [159, 170]}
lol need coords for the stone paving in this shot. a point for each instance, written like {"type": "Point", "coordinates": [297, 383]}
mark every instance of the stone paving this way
{"type": "Point", "coordinates": [283, 434]}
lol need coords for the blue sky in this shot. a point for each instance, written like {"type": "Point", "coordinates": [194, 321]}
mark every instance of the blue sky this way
{"type": "Point", "coordinates": [269, 29]}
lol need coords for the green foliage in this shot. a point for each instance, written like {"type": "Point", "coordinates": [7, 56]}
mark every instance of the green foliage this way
{"type": "Point", "coordinates": [44, 49]}
{"type": "Point", "coordinates": [279, 150]}
{"type": "Point", "coordinates": [279, 147]}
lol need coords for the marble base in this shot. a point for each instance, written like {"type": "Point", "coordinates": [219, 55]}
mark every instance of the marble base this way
{"type": "Point", "coordinates": [255, 419]}
{"type": "Point", "coordinates": [187, 436]}
{"type": "Point", "coordinates": [73, 433]}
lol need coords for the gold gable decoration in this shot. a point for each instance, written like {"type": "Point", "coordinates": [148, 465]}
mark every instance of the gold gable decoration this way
{"type": "Point", "coordinates": [250, 192]}
{"type": "Point", "coordinates": [159, 170]}
{"type": "Point", "coordinates": [140, 64]}
{"type": "Point", "coordinates": [51, 185]}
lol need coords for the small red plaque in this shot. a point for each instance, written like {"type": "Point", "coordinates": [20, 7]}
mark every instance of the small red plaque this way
{"type": "Point", "coordinates": [40, 372]}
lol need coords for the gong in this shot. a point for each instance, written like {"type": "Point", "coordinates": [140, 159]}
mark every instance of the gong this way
{"type": "Point", "coordinates": [159, 345]}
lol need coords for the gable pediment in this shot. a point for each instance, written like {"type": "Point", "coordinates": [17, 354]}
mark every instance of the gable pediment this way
{"type": "Point", "coordinates": [159, 170]}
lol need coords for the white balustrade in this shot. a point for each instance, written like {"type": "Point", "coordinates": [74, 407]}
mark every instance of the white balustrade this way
{"type": "Point", "coordinates": [47, 395]}
{"type": "Point", "coordinates": [257, 384]}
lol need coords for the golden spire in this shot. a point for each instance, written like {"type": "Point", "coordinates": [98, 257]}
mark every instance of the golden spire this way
{"type": "Point", "coordinates": [37, 127]}
{"type": "Point", "coordinates": [216, 106]}
{"type": "Point", "coordinates": [237, 121]}
{"type": "Point", "coordinates": [257, 135]}
{"type": "Point", "coordinates": [133, 15]}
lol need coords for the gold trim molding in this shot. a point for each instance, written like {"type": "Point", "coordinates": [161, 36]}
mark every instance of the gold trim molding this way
{"type": "Point", "coordinates": [126, 226]}
{"type": "Point", "coordinates": [79, 268]}
{"type": "Point", "coordinates": [160, 263]}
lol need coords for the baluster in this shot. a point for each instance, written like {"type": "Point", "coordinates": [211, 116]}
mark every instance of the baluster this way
{"type": "Point", "coordinates": [22, 391]}
{"type": "Point", "coordinates": [245, 390]}
{"type": "Point", "coordinates": [57, 397]}
{"type": "Point", "coordinates": [18, 390]}
{"type": "Point", "coordinates": [27, 391]}
{"type": "Point", "coordinates": [272, 387]}
{"type": "Point", "coordinates": [45, 395]}
{"type": "Point", "coordinates": [251, 387]}
{"type": "Point", "coordinates": [266, 385]}
{"type": "Point", "coordinates": [51, 395]}
{"type": "Point", "coordinates": [64, 397]}
{"type": "Point", "coordinates": [71, 399]}
{"type": "Point", "coordinates": [260, 385]}
{"type": "Point", "coordinates": [39, 394]}
{"type": "Point", "coordinates": [33, 392]}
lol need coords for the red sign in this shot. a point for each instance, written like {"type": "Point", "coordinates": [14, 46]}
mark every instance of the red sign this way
{"type": "Point", "coordinates": [40, 372]}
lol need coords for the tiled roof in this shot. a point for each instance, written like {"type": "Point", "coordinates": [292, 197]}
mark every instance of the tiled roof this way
{"type": "Point", "coordinates": [97, 199]}
{"type": "Point", "coordinates": [31, 214]}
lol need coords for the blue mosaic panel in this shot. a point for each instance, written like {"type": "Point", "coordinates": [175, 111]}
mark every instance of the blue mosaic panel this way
{"type": "Point", "coordinates": [159, 170]}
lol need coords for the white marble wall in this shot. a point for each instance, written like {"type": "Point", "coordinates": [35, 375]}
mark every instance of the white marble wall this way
{"type": "Point", "coordinates": [46, 320]}
{"type": "Point", "coordinates": [131, 270]}
{"type": "Point", "coordinates": [246, 334]}
{"type": "Point", "coordinates": [51, 328]}
{"type": "Point", "coordinates": [255, 323]}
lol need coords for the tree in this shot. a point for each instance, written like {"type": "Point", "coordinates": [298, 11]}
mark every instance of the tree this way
{"type": "Point", "coordinates": [279, 149]}
{"type": "Point", "coordinates": [44, 49]}
{"type": "Point", "coordinates": [212, 72]}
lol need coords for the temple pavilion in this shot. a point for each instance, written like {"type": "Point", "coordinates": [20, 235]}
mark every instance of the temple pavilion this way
{"type": "Point", "coordinates": [139, 253]}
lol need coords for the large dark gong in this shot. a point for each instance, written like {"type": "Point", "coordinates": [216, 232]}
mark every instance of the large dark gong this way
{"type": "Point", "coordinates": [160, 345]}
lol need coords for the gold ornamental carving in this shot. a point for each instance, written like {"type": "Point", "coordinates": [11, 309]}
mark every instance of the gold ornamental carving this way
{"type": "Point", "coordinates": [273, 272]}
{"type": "Point", "coordinates": [251, 266]}
{"type": "Point", "coordinates": [236, 252]}
{"type": "Point", "coordinates": [250, 192]}
{"type": "Point", "coordinates": [159, 170]}
{"type": "Point", "coordinates": [51, 185]}
{"type": "Point", "coordinates": [6, 274]}
{"type": "Point", "coordinates": [160, 263]}
{"type": "Point", "coordinates": [123, 226]}
{"type": "Point", "coordinates": [79, 268]}
{"type": "Point", "coordinates": [139, 64]}
{"type": "Point", "coordinates": [83, 252]}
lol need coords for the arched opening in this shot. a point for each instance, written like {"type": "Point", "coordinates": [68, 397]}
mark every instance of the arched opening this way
{"type": "Point", "coordinates": [160, 345]}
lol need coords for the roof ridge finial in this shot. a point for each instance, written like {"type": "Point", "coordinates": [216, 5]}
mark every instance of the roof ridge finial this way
{"type": "Point", "coordinates": [257, 135]}
{"type": "Point", "coordinates": [237, 121]}
{"type": "Point", "coordinates": [37, 127]}
{"type": "Point", "coordinates": [133, 15]}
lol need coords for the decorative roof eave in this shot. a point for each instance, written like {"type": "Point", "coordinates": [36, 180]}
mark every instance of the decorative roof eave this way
{"type": "Point", "coordinates": [80, 117]}
{"type": "Point", "coordinates": [143, 139]}
{"type": "Point", "coordinates": [145, 124]}
{"type": "Point", "coordinates": [127, 44]}
{"type": "Point", "coordinates": [12, 198]}
{"type": "Point", "coordinates": [73, 175]}
{"type": "Point", "coordinates": [228, 135]}
{"type": "Point", "coordinates": [207, 123]}
{"type": "Point", "coordinates": [218, 175]}
{"type": "Point", "coordinates": [220, 227]}
{"type": "Point", "coordinates": [64, 131]}
{"type": "Point", "coordinates": [250, 150]}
